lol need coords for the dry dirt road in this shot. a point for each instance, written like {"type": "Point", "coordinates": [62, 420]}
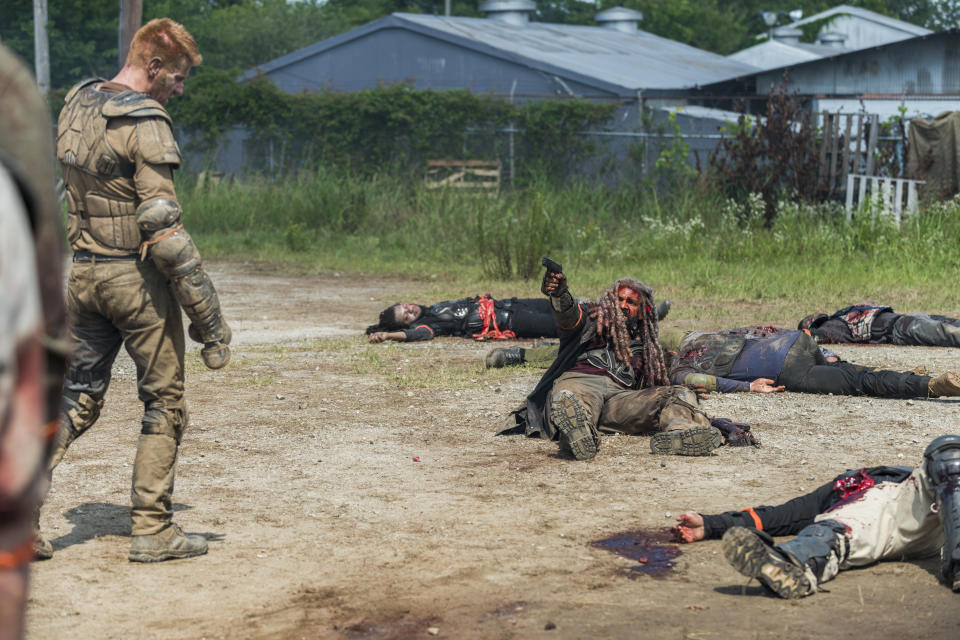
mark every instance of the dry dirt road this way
{"type": "Point", "coordinates": [356, 491]}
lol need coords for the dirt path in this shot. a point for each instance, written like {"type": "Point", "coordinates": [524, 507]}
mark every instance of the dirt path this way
{"type": "Point", "coordinates": [358, 491]}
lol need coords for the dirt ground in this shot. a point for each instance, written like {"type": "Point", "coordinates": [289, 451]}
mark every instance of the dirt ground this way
{"type": "Point", "coordinates": [359, 491]}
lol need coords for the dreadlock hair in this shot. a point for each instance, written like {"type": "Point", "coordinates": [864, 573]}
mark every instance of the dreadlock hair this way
{"type": "Point", "coordinates": [619, 330]}
{"type": "Point", "coordinates": [387, 321]}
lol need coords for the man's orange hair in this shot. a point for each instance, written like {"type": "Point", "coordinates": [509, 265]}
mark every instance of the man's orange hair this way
{"type": "Point", "coordinates": [165, 39]}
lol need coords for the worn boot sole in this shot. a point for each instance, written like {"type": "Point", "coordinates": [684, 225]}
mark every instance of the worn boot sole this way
{"type": "Point", "coordinates": [696, 441]}
{"type": "Point", "coordinates": [576, 432]}
{"type": "Point", "coordinates": [149, 556]}
{"type": "Point", "coordinates": [751, 556]}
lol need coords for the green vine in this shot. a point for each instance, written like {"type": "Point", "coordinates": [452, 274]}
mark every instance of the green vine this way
{"type": "Point", "coordinates": [387, 128]}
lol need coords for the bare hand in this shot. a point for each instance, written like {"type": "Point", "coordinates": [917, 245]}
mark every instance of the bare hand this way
{"type": "Point", "coordinates": [690, 529]}
{"type": "Point", "coordinates": [551, 282]}
{"type": "Point", "coordinates": [701, 391]}
{"type": "Point", "coordinates": [764, 385]}
{"type": "Point", "coordinates": [379, 336]}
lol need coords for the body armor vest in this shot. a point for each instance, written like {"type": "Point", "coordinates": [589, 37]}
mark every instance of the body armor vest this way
{"type": "Point", "coordinates": [101, 195]}
{"type": "Point", "coordinates": [711, 353]}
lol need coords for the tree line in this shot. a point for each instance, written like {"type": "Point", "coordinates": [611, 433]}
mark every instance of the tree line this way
{"type": "Point", "coordinates": [239, 34]}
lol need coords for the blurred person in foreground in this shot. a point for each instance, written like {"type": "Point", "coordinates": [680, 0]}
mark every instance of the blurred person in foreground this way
{"type": "Point", "coordinates": [33, 334]}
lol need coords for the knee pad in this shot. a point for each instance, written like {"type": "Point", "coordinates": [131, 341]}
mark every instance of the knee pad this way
{"type": "Point", "coordinates": [80, 411]}
{"type": "Point", "coordinates": [163, 421]}
{"type": "Point", "coordinates": [817, 545]}
{"type": "Point", "coordinates": [942, 461]}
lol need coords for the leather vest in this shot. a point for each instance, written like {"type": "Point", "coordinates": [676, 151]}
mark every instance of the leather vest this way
{"type": "Point", "coordinates": [464, 313]}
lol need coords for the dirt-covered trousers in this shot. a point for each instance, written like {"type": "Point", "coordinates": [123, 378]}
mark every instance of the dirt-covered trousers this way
{"type": "Point", "coordinates": [889, 521]}
{"type": "Point", "coordinates": [128, 302]}
{"type": "Point", "coordinates": [613, 409]}
{"type": "Point", "coordinates": [925, 330]}
{"type": "Point", "coordinates": [806, 371]}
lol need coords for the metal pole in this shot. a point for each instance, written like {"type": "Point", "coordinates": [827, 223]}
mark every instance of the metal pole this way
{"type": "Point", "coordinates": [41, 46]}
{"type": "Point", "coordinates": [446, 7]}
{"type": "Point", "coordinates": [131, 15]}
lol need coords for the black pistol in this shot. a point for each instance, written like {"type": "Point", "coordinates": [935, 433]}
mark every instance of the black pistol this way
{"type": "Point", "coordinates": [555, 267]}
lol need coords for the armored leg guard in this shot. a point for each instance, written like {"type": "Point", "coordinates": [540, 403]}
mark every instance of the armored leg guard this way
{"type": "Point", "coordinates": [577, 431]}
{"type": "Point", "coordinates": [942, 458]}
{"type": "Point", "coordinates": [504, 357]}
{"type": "Point", "coordinates": [753, 554]}
{"type": "Point", "coordinates": [175, 255]}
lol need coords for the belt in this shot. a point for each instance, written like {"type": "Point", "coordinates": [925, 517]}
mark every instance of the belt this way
{"type": "Point", "coordinates": [87, 256]}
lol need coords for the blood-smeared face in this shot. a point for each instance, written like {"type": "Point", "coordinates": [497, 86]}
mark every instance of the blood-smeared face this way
{"type": "Point", "coordinates": [629, 302]}
{"type": "Point", "coordinates": [406, 313]}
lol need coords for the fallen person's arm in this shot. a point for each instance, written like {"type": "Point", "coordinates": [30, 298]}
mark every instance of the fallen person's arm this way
{"type": "Point", "coordinates": [382, 336]}
{"type": "Point", "coordinates": [784, 519]}
{"type": "Point", "coordinates": [703, 382]}
{"type": "Point", "coordinates": [765, 385]}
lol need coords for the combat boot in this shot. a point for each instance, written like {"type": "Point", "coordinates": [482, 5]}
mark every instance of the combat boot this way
{"type": "Point", "coordinates": [943, 469]}
{"type": "Point", "coordinates": [42, 549]}
{"type": "Point", "coordinates": [168, 544]}
{"type": "Point", "coordinates": [946, 384]}
{"type": "Point", "coordinates": [753, 554]}
{"type": "Point", "coordinates": [695, 441]}
{"type": "Point", "coordinates": [504, 357]}
{"type": "Point", "coordinates": [577, 433]}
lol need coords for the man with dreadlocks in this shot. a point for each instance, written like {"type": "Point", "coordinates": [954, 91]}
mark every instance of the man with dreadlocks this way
{"type": "Point", "coordinates": [610, 376]}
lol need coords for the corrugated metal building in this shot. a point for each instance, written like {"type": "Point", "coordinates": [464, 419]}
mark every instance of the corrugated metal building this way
{"type": "Point", "coordinates": [504, 54]}
{"type": "Point", "coordinates": [507, 55]}
{"type": "Point", "coordinates": [921, 74]}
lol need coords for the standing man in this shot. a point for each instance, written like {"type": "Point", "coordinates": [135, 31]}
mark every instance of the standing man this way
{"type": "Point", "coordinates": [134, 267]}
{"type": "Point", "coordinates": [610, 376]}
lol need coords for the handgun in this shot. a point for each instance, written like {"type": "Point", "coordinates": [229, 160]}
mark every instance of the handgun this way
{"type": "Point", "coordinates": [555, 267]}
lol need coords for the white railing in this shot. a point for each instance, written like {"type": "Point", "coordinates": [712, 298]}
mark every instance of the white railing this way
{"type": "Point", "coordinates": [892, 196]}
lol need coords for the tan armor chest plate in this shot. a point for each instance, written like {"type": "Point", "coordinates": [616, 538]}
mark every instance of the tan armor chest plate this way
{"type": "Point", "coordinates": [101, 196]}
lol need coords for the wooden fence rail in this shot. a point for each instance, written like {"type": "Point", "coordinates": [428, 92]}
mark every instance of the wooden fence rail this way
{"type": "Point", "coordinates": [894, 196]}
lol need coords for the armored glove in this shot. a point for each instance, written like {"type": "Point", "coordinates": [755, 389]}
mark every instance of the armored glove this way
{"type": "Point", "coordinates": [215, 353]}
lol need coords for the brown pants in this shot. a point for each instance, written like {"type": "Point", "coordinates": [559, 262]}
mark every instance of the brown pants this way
{"type": "Point", "coordinates": [614, 409]}
{"type": "Point", "coordinates": [129, 303]}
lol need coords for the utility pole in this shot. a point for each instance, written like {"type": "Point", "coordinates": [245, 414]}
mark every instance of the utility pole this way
{"type": "Point", "coordinates": [446, 8]}
{"type": "Point", "coordinates": [131, 15]}
{"type": "Point", "coordinates": [41, 46]}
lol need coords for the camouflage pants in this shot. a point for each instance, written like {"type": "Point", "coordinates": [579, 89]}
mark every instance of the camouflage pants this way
{"type": "Point", "coordinates": [614, 409]}
{"type": "Point", "coordinates": [129, 303]}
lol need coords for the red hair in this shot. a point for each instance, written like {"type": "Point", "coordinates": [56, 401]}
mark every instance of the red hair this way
{"type": "Point", "coordinates": [164, 39]}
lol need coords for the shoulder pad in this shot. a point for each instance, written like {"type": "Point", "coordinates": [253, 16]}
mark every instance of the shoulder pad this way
{"type": "Point", "coordinates": [156, 142]}
{"type": "Point", "coordinates": [134, 104]}
{"type": "Point", "coordinates": [80, 85]}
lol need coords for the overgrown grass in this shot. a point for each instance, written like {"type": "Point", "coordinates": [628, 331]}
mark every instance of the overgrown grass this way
{"type": "Point", "coordinates": [695, 245]}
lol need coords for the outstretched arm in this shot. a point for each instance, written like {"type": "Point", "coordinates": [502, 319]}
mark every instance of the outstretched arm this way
{"type": "Point", "coordinates": [382, 336]}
